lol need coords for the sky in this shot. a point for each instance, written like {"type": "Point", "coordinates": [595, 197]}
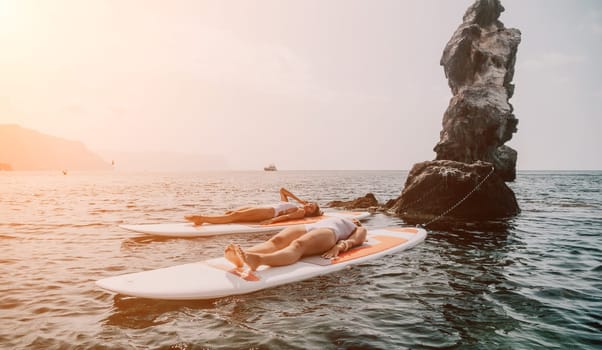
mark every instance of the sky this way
{"type": "Point", "coordinates": [304, 84]}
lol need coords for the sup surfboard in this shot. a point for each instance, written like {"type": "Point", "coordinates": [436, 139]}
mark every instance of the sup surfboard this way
{"type": "Point", "coordinates": [187, 229]}
{"type": "Point", "coordinates": [218, 277]}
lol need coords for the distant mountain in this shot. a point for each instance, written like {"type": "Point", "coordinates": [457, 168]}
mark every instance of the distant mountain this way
{"type": "Point", "coordinates": [26, 149]}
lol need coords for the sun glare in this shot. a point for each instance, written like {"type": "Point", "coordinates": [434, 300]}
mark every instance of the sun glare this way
{"type": "Point", "coordinates": [16, 21]}
{"type": "Point", "coordinates": [9, 12]}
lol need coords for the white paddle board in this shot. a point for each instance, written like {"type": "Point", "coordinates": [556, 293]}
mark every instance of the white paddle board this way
{"type": "Point", "coordinates": [188, 229]}
{"type": "Point", "coordinates": [218, 277]}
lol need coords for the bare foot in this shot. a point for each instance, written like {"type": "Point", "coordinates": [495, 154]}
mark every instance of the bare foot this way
{"type": "Point", "coordinates": [252, 260]}
{"type": "Point", "coordinates": [230, 254]}
{"type": "Point", "coordinates": [196, 219]}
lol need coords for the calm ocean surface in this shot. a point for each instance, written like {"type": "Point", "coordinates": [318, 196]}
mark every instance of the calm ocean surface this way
{"type": "Point", "coordinates": [532, 282]}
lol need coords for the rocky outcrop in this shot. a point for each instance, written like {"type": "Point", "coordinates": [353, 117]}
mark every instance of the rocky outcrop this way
{"type": "Point", "coordinates": [479, 64]}
{"type": "Point", "coordinates": [453, 189]}
{"type": "Point", "coordinates": [365, 202]}
{"type": "Point", "coordinates": [26, 149]}
{"type": "Point", "coordinates": [467, 178]}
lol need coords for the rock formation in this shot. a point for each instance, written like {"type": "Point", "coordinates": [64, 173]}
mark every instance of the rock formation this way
{"type": "Point", "coordinates": [455, 190]}
{"type": "Point", "coordinates": [366, 202]}
{"type": "Point", "coordinates": [466, 180]}
{"type": "Point", "coordinates": [479, 65]}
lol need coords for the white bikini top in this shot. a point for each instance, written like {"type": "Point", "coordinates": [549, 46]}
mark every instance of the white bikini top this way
{"type": "Point", "coordinates": [342, 228]}
{"type": "Point", "coordinates": [281, 207]}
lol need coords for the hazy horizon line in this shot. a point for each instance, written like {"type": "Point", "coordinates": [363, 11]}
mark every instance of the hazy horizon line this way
{"type": "Point", "coordinates": [263, 171]}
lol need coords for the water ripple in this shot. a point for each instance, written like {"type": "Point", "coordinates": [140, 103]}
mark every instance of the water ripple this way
{"type": "Point", "coordinates": [529, 282]}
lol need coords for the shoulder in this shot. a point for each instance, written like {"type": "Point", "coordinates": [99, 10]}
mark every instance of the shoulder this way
{"type": "Point", "coordinates": [361, 230]}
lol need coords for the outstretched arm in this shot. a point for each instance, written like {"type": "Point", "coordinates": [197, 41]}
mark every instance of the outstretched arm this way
{"type": "Point", "coordinates": [284, 194]}
{"type": "Point", "coordinates": [356, 239]}
{"type": "Point", "coordinates": [299, 213]}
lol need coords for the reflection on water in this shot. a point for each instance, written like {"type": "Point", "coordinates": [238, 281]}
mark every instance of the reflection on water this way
{"type": "Point", "coordinates": [139, 313]}
{"type": "Point", "coordinates": [528, 282]}
{"type": "Point", "coordinates": [474, 263]}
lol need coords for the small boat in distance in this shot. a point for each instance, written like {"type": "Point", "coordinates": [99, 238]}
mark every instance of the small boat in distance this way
{"type": "Point", "coordinates": [270, 167]}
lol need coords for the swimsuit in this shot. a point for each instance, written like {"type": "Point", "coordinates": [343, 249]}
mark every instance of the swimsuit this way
{"type": "Point", "coordinates": [342, 228]}
{"type": "Point", "coordinates": [281, 207]}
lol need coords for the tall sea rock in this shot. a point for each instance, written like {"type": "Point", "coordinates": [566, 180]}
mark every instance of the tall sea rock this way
{"type": "Point", "coordinates": [479, 65]}
{"type": "Point", "coordinates": [472, 162]}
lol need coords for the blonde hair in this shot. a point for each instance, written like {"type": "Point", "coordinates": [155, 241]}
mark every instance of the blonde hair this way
{"type": "Point", "coordinates": [316, 212]}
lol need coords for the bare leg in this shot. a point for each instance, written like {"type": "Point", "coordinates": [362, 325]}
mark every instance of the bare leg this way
{"type": "Point", "coordinates": [238, 209]}
{"type": "Point", "coordinates": [280, 240]}
{"type": "Point", "coordinates": [277, 242]}
{"type": "Point", "coordinates": [243, 215]}
{"type": "Point", "coordinates": [312, 243]}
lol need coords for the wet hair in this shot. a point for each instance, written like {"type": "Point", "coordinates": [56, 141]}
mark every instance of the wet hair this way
{"type": "Point", "coordinates": [316, 212]}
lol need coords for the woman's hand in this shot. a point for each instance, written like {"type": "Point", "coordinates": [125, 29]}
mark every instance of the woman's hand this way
{"type": "Point", "coordinates": [284, 194]}
{"type": "Point", "coordinates": [333, 252]}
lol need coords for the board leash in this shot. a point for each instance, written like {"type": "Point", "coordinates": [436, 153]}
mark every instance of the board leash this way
{"type": "Point", "coordinates": [458, 203]}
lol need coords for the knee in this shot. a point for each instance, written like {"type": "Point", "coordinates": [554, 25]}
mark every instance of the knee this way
{"type": "Point", "coordinates": [277, 241]}
{"type": "Point", "coordinates": [298, 245]}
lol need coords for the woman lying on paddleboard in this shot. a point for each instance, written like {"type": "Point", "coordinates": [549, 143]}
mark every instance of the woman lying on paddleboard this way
{"type": "Point", "coordinates": [327, 237]}
{"type": "Point", "coordinates": [266, 214]}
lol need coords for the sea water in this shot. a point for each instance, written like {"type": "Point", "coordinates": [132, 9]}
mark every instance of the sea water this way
{"type": "Point", "coordinates": [530, 282]}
